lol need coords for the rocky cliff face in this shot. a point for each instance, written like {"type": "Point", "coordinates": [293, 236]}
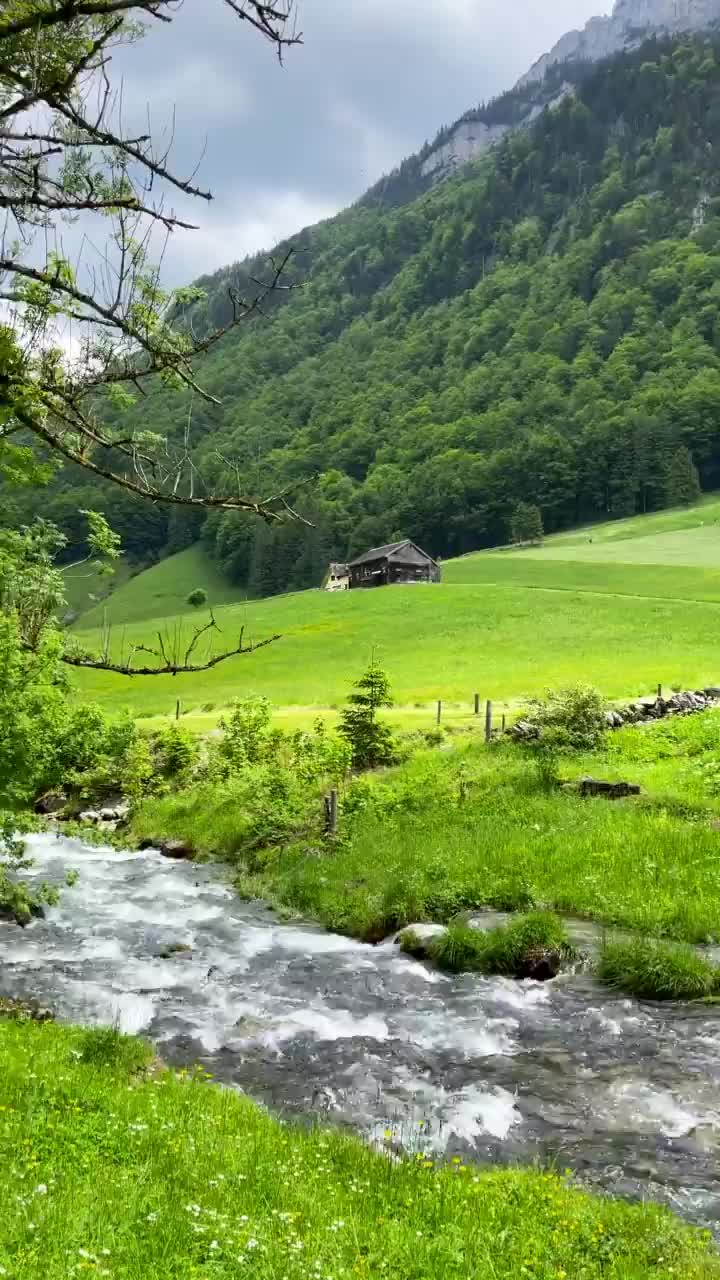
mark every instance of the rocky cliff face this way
{"type": "Point", "coordinates": [631, 22]}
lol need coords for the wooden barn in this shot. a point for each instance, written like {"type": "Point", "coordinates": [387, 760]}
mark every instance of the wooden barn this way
{"type": "Point", "coordinates": [398, 562]}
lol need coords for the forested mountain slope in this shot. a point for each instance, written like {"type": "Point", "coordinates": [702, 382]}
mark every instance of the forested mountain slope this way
{"type": "Point", "coordinates": [545, 326]}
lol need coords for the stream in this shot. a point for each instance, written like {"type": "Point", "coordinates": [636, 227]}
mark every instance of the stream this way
{"type": "Point", "coordinates": [625, 1094]}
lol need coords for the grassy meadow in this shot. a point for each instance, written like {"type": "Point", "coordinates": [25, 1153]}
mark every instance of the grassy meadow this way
{"type": "Point", "coordinates": [107, 1170]}
{"type": "Point", "coordinates": [162, 591]}
{"type": "Point", "coordinates": [475, 827]}
{"type": "Point", "coordinates": [638, 605]}
{"type": "Point", "coordinates": [435, 642]}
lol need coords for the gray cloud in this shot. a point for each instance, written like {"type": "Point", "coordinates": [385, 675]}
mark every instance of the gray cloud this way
{"type": "Point", "coordinates": [282, 147]}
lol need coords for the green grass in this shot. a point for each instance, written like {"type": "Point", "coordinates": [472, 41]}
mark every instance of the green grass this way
{"type": "Point", "coordinates": [104, 1173]}
{"type": "Point", "coordinates": [705, 512]}
{"type": "Point", "coordinates": [696, 547]}
{"type": "Point", "coordinates": [459, 830]}
{"type": "Point", "coordinates": [162, 591]}
{"type": "Point", "coordinates": [436, 642]}
{"type": "Point", "coordinates": [83, 586]}
{"type": "Point", "coordinates": [547, 574]}
{"type": "Point", "coordinates": [507, 950]}
{"type": "Point", "coordinates": [639, 606]}
{"type": "Point", "coordinates": [656, 971]}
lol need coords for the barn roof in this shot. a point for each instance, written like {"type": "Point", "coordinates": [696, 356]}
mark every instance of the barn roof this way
{"type": "Point", "coordinates": [384, 553]}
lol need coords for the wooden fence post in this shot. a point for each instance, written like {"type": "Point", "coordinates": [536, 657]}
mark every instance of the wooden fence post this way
{"type": "Point", "coordinates": [331, 813]}
{"type": "Point", "coordinates": [503, 722]}
{"type": "Point", "coordinates": [477, 704]}
{"type": "Point", "coordinates": [439, 712]}
{"type": "Point", "coordinates": [488, 721]}
{"type": "Point", "coordinates": [177, 709]}
{"type": "Point", "coordinates": [659, 691]}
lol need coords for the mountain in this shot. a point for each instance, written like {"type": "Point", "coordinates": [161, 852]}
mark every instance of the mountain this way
{"type": "Point", "coordinates": [631, 23]}
{"type": "Point", "coordinates": [541, 327]}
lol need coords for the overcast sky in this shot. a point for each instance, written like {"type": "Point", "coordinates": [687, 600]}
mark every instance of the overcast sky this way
{"type": "Point", "coordinates": [283, 147]}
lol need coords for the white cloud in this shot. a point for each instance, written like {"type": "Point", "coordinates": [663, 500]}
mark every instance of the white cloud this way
{"type": "Point", "coordinates": [244, 225]}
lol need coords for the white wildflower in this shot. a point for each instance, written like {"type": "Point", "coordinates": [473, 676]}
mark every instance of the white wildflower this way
{"type": "Point", "coordinates": [41, 1189]}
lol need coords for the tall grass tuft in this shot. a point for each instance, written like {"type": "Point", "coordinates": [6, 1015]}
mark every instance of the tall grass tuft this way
{"type": "Point", "coordinates": [514, 950]}
{"type": "Point", "coordinates": [655, 970]}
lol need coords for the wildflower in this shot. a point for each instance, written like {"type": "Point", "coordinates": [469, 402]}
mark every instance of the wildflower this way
{"type": "Point", "coordinates": [152, 1217]}
{"type": "Point", "coordinates": [214, 1244]}
{"type": "Point", "coordinates": [252, 1243]}
{"type": "Point", "coordinates": [41, 1189]}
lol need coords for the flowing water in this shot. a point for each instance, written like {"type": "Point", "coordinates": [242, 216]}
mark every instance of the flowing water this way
{"type": "Point", "coordinates": [625, 1094]}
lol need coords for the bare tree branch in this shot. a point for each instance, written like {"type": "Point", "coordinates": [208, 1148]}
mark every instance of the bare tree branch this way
{"type": "Point", "coordinates": [167, 667]}
{"type": "Point", "coordinates": [64, 151]}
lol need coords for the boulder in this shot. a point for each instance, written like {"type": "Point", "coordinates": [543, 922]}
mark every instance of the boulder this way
{"type": "Point", "coordinates": [17, 915]}
{"type": "Point", "coordinates": [181, 850]}
{"type": "Point", "coordinates": [24, 1009]}
{"type": "Point", "coordinates": [176, 949]}
{"type": "Point", "coordinates": [612, 790]}
{"type": "Point", "coordinates": [416, 938]}
{"type": "Point", "coordinates": [541, 964]}
{"type": "Point", "coordinates": [51, 802]}
{"type": "Point", "coordinates": [524, 730]}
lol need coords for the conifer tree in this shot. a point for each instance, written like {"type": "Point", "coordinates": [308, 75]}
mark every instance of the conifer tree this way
{"type": "Point", "coordinates": [526, 525]}
{"type": "Point", "coordinates": [370, 740]}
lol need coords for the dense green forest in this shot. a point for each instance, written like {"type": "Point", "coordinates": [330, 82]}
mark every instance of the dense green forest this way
{"type": "Point", "coordinates": [544, 328]}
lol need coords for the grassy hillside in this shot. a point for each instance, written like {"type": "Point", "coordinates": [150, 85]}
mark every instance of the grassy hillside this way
{"type": "Point", "coordinates": [84, 587]}
{"type": "Point", "coordinates": [506, 625]}
{"type": "Point", "coordinates": [162, 591]}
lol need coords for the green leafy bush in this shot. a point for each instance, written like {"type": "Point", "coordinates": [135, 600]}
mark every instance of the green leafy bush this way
{"type": "Point", "coordinates": [569, 719]}
{"type": "Point", "coordinates": [655, 970]}
{"type": "Point", "coordinates": [197, 598]}
{"type": "Point", "coordinates": [176, 752]}
{"type": "Point", "coordinates": [246, 736]}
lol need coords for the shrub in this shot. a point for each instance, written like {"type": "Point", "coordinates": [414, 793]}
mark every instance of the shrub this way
{"type": "Point", "coordinates": [571, 718]}
{"type": "Point", "coordinates": [176, 752]}
{"type": "Point", "coordinates": [246, 736]}
{"type": "Point", "coordinates": [655, 970]}
{"type": "Point", "coordinates": [197, 598]}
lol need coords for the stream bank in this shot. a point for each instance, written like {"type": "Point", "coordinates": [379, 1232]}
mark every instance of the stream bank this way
{"type": "Point", "coordinates": [317, 1025]}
